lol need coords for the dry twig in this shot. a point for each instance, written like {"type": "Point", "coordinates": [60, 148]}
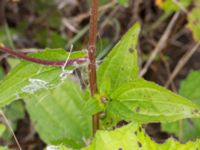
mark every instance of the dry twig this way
{"type": "Point", "coordinates": [181, 64]}
{"type": "Point", "coordinates": [161, 44]}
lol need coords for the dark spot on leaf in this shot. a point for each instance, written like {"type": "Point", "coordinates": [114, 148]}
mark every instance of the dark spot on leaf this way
{"type": "Point", "coordinates": [135, 132]}
{"type": "Point", "coordinates": [103, 99]}
{"type": "Point", "coordinates": [195, 111]}
{"type": "Point", "coordinates": [102, 115]}
{"type": "Point", "coordinates": [139, 144]}
{"type": "Point", "coordinates": [195, 22]}
{"type": "Point", "coordinates": [120, 148]}
{"type": "Point", "coordinates": [111, 120]}
{"type": "Point", "coordinates": [140, 129]}
{"type": "Point", "coordinates": [137, 109]}
{"type": "Point", "coordinates": [131, 50]}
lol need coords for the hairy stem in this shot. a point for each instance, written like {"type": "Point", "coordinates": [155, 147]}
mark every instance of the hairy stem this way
{"type": "Point", "coordinates": [41, 61]}
{"type": "Point", "coordinates": [92, 59]}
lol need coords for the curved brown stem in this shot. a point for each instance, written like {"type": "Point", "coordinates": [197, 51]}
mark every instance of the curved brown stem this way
{"type": "Point", "coordinates": [41, 61]}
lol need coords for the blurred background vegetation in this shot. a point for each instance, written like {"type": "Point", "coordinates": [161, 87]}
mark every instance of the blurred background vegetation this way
{"type": "Point", "coordinates": [31, 25]}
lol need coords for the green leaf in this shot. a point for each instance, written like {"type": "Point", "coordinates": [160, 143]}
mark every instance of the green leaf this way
{"type": "Point", "coordinates": [1, 73]}
{"type": "Point", "coordinates": [13, 62]}
{"type": "Point", "coordinates": [58, 115]}
{"type": "Point", "coordinates": [6, 35]}
{"type": "Point", "coordinates": [27, 77]}
{"type": "Point", "coordinates": [194, 21]}
{"type": "Point", "coordinates": [187, 129]}
{"type": "Point", "coordinates": [53, 18]}
{"type": "Point", "coordinates": [133, 136]}
{"type": "Point", "coordinates": [145, 101]}
{"type": "Point", "coordinates": [3, 148]}
{"type": "Point", "coordinates": [49, 39]}
{"type": "Point", "coordinates": [174, 5]}
{"type": "Point", "coordinates": [92, 106]}
{"type": "Point", "coordinates": [123, 2]}
{"type": "Point", "coordinates": [190, 87]}
{"type": "Point", "coordinates": [121, 63]}
{"type": "Point", "coordinates": [125, 138]}
{"type": "Point", "coordinates": [2, 129]}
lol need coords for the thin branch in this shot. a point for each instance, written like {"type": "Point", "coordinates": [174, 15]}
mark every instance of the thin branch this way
{"type": "Point", "coordinates": [41, 61]}
{"type": "Point", "coordinates": [10, 128]}
{"type": "Point", "coordinates": [161, 44]}
{"type": "Point", "coordinates": [92, 58]}
{"type": "Point", "coordinates": [181, 63]}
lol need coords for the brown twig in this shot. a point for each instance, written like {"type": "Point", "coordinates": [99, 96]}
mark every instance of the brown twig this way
{"type": "Point", "coordinates": [41, 61]}
{"type": "Point", "coordinates": [10, 128]}
{"type": "Point", "coordinates": [181, 63]}
{"type": "Point", "coordinates": [92, 59]}
{"type": "Point", "coordinates": [161, 44]}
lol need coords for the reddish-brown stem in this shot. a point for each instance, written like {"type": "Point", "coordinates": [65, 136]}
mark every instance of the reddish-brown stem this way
{"type": "Point", "coordinates": [41, 61]}
{"type": "Point", "coordinates": [92, 59]}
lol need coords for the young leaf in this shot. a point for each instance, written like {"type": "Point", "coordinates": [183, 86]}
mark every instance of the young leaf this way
{"type": "Point", "coordinates": [145, 101]}
{"type": "Point", "coordinates": [121, 63]}
{"type": "Point", "coordinates": [133, 136]}
{"type": "Point", "coordinates": [187, 129]}
{"type": "Point", "coordinates": [27, 78]}
{"type": "Point", "coordinates": [58, 115]}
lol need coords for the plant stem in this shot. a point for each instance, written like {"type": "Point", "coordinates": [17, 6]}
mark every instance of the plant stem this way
{"type": "Point", "coordinates": [92, 59]}
{"type": "Point", "coordinates": [41, 61]}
